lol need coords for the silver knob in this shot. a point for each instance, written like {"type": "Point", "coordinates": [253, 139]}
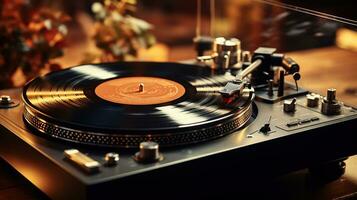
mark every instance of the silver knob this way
{"type": "Point", "coordinates": [329, 105]}
{"type": "Point", "coordinates": [111, 159]}
{"type": "Point", "coordinates": [228, 52]}
{"type": "Point", "coordinates": [331, 94]}
{"type": "Point", "coordinates": [148, 153]}
{"type": "Point", "coordinates": [312, 100]}
{"type": "Point", "coordinates": [5, 99]}
{"type": "Point", "coordinates": [222, 44]}
{"type": "Point", "coordinates": [289, 105]}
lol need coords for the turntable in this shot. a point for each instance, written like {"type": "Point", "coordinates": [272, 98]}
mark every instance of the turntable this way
{"type": "Point", "coordinates": [140, 128]}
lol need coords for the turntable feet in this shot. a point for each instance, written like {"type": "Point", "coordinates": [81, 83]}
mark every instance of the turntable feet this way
{"type": "Point", "coordinates": [329, 171]}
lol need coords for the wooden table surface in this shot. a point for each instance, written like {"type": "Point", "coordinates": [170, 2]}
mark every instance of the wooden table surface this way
{"type": "Point", "coordinates": [14, 186]}
{"type": "Point", "coordinates": [321, 68]}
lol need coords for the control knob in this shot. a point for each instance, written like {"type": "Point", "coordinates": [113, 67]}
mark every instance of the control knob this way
{"type": "Point", "coordinates": [111, 159]}
{"type": "Point", "coordinates": [290, 105]}
{"type": "Point", "coordinates": [330, 106]}
{"type": "Point", "coordinates": [148, 153]}
{"type": "Point", "coordinates": [312, 100]}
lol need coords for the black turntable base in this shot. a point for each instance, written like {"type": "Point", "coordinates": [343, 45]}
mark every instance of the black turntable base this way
{"type": "Point", "coordinates": [60, 135]}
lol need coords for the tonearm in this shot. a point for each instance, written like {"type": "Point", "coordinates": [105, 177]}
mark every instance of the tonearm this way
{"type": "Point", "coordinates": [262, 66]}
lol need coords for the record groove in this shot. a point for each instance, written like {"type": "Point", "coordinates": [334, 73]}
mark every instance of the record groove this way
{"type": "Point", "coordinates": [64, 105]}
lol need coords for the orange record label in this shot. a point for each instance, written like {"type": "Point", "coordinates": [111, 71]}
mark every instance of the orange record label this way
{"type": "Point", "coordinates": [140, 90]}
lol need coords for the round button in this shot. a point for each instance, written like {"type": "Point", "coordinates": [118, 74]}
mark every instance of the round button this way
{"type": "Point", "coordinates": [290, 105]}
{"type": "Point", "coordinates": [148, 153]}
{"type": "Point", "coordinates": [312, 100]}
{"type": "Point", "coordinates": [111, 159]}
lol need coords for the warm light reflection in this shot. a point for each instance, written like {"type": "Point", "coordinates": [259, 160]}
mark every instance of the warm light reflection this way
{"type": "Point", "coordinates": [209, 89]}
{"type": "Point", "coordinates": [209, 109]}
{"type": "Point", "coordinates": [200, 83]}
{"type": "Point", "coordinates": [94, 71]}
{"type": "Point", "coordinates": [346, 39]}
{"type": "Point", "coordinates": [181, 115]}
{"type": "Point", "coordinates": [35, 176]}
{"type": "Point", "coordinates": [241, 136]}
{"type": "Point", "coordinates": [53, 96]}
{"type": "Point", "coordinates": [53, 93]}
{"type": "Point", "coordinates": [53, 99]}
{"type": "Point", "coordinates": [212, 85]}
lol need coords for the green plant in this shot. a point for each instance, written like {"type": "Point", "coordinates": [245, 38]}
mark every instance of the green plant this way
{"type": "Point", "coordinates": [118, 34]}
{"type": "Point", "coordinates": [29, 38]}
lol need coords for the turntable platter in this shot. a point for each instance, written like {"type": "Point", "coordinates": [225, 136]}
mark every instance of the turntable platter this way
{"type": "Point", "coordinates": [122, 104]}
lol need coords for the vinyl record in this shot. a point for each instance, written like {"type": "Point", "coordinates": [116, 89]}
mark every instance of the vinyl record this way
{"type": "Point", "coordinates": [122, 104]}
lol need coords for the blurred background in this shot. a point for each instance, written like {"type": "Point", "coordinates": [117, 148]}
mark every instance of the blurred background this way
{"type": "Point", "coordinates": [38, 36]}
{"type": "Point", "coordinates": [42, 35]}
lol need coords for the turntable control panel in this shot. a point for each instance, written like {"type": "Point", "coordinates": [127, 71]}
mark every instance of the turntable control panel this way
{"type": "Point", "coordinates": [308, 111]}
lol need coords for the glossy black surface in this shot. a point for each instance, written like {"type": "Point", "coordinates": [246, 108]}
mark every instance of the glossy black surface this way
{"type": "Point", "coordinates": [67, 98]}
